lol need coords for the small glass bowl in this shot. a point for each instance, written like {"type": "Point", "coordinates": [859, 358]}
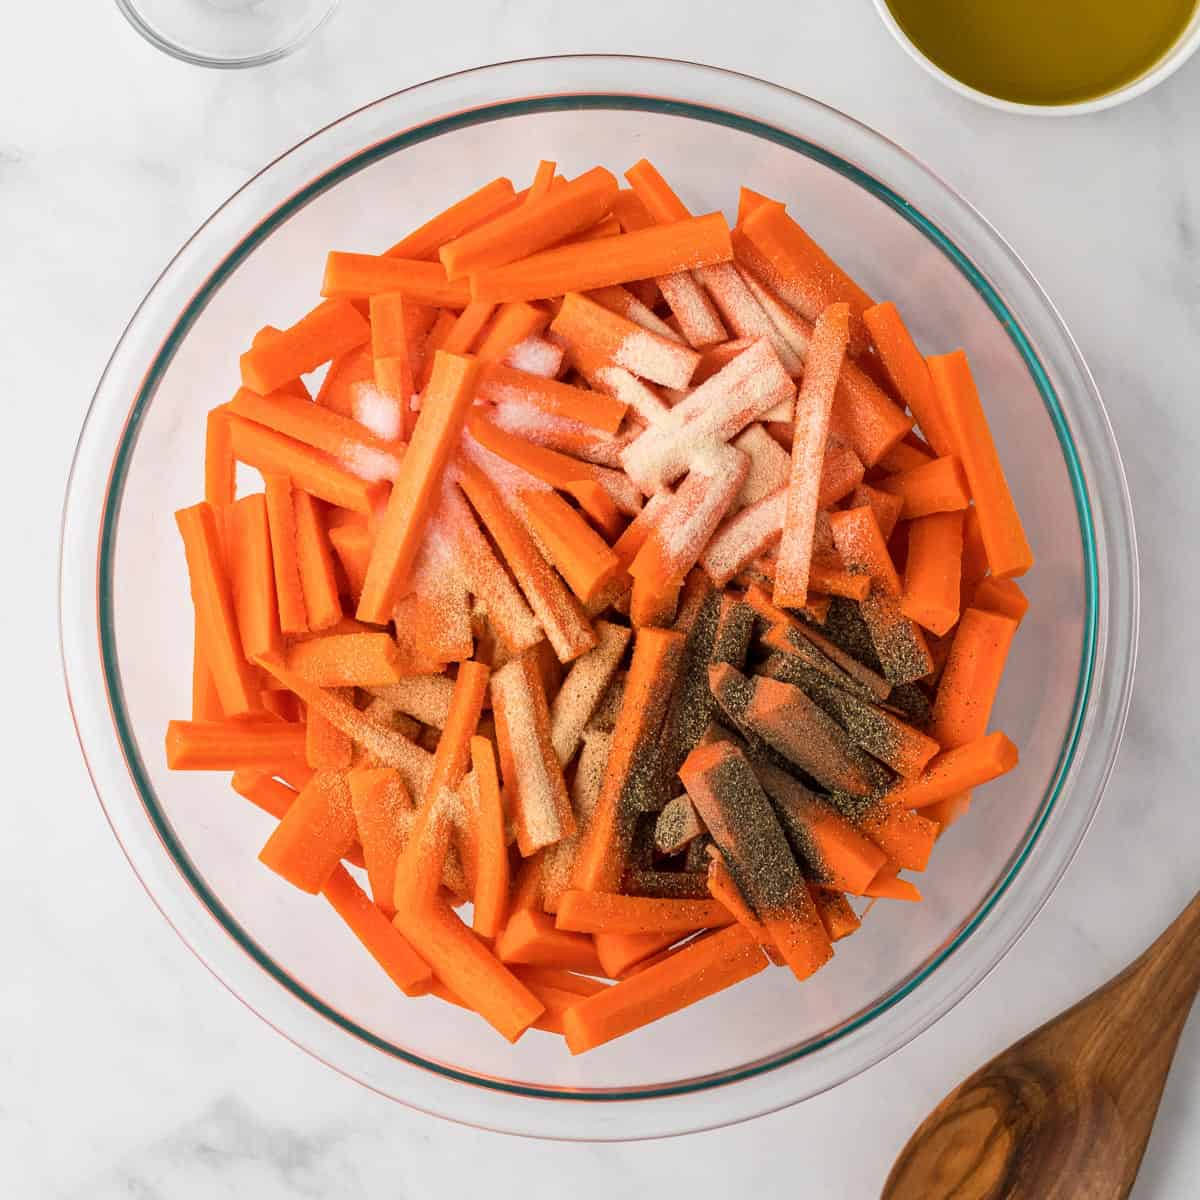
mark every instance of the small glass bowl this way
{"type": "Point", "coordinates": [227, 33]}
{"type": "Point", "coordinates": [361, 183]}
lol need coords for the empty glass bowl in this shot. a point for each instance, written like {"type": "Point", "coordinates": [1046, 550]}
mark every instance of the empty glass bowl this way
{"type": "Point", "coordinates": [227, 33]}
{"type": "Point", "coordinates": [359, 185]}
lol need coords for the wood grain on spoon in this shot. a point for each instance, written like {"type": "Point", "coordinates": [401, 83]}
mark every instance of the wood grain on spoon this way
{"type": "Point", "coordinates": [1065, 1113]}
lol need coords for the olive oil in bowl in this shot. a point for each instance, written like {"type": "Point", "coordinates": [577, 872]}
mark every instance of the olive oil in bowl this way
{"type": "Point", "coordinates": [1044, 52]}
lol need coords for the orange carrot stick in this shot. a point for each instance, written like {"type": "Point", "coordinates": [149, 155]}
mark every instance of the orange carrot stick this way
{"type": "Point", "coordinates": [332, 328]}
{"type": "Point", "coordinates": [264, 792]}
{"type": "Point", "coordinates": [492, 870]}
{"type": "Point", "coordinates": [723, 889]}
{"type": "Point", "coordinates": [607, 912]}
{"type": "Point", "coordinates": [281, 521]}
{"type": "Point", "coordinates": [216, 616]}
{"type": "Point", "coordinates": [829, 581]}
{"type": "Point", "coordinates": [932, 571]}
{"type": "Point", "coordinates": [421, 866]}
{"type": "Point", "coordinates": [971, 677]}
{"type": "Point", "coordinates": [884, 505]}
{"type": "Point", "coordinates": [743, 537]}
{"type": "Point", "coordinates": [531, 937]}
{"type": "Point", "coordinates": [469, 969]}
{"type": "Point", "coordinates": [904, 456]}
{"type": "Point", "coordinates": [624, 303]}
{"type": "Point", "coordinates": [557, 610]}
{"type": "Point", "coordinates": [206, 702]}
{"type": "Point", "coordinates": [326, 746]}
{"type": "Point", "coordinates": [480, 206]}
{"type": "Point", "coordinates": [220, 470]}
{"type": "Point", "coordinates": [841, 472]}
{"type": "Point", "coordinates": [661, 250]}
{"type": "Point", "coordinates": [582, 557]}
{"type": "Point", "coordinates": [813, 406]}
{"type": "Point", "coordinates": [383, 816]}
{"type": "Point", "coordinates": [898, 641]}
{"type": "Point", "coordinates": [888, 885]}
{"type": "Point", "coordinates": [583, 323]}
{"type": "Point", "coordinates": [657, 657]}
{"type": "Point", "coordinates": [385, 943]}
{"type": "Point", "coordinates": [310, 470]}
{"type": "Point", "coordinates": [620, 951]}
{"type": "Point", "coordinates": [352, 544]}
{"type": "Point", "coordinates": [584, 688]}
{"type": "Point", "coordinates": [564, 981]}
{"type": "Point", "coordinates": [498, 383]}
{"type": "Point", "coordinates": [839, 919]}
{"type": "Point", "coordinates": [532, 774]}
{"type": "Point", "coordinates": [1002, 596]}
{"type": "Point", "coordinates": [723, 787]}
{"type": "Point", "coordinates": [511, 325]}
{"type": "Point", "coordinates": [957, 770]}
{"type": "Point", "coordinates": [540, 222]}
{"type": "Point", "coordinates": [314, 834]}
{"type": "Point", "coordinates": [938, 486]}
{"type": "Point", "coordinates": [230, 745]}
{"type": "Point", "coordinates": [908, 372]}
{"type": "Point", "coordinates": [795, 267]}
{"type": "Point", "coordinates": [653, 602]}
{"type": "Point", "coordinates": [700, 969]}
{"type": "Point", "coordinates": [358, 276]}
{"type": "Point", "coordinates": [346, 659]}
{"type": "Point", "coordinates": [314, 561]}
{"type": "Point", "coordinates": [253, 576]}
{"type": "Point", "coordinates": [444, 405]}
{"type": "Point", "coordinates": [342, 381]}
{"type": "Point", "coordinates": [1003, 534]}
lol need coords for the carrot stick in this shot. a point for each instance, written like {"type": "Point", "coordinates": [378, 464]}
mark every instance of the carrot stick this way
{"type": "Point", "coordinates": [653, 602]}
{"type": "Point", "coordinates": [388, 747]}
{"type": "Point", "coordinates": [971, 677]}
{"type": "Point", "coordinates": [932, 571]}
{"type": "Point", "coordinates": [469, 969]}
{"type": "Point", "coordinates": [798, 269]}
{"type": "Point", "coordinates": [830, 581]}
{"type": "Point", "coordinates": [935, 487]}
{"type": "Point", "coordinates": [358, 276]}
{"type": "Point", "coordinates": [473, 210]}
{"type": "Point", "coordinates": [975, 562]}
{"type": "Point", "coordinates": [904, 457]}
{"type": "Point", "coordinates": [498, 384]}
{"type": "Point", "coordinates": [352, 544]}
{"type": "Point", "coordinates": [310, 470]}
{"type": "Point", "coordinates": [884, 505]}
{"type": "Point", "coordinates": [314, 834]}
{"type": "Point", "coordinates": [314, 563]}
{"type": "Point", "coordinates": [699, 969]}
{"type": "Point", "coordinates": [607, 912]}
{"type": "Point", "coordinates": [582, 557]}
{"type": "Point", "coordinates": [543, 177]}
{"type": "Point", "coordinates": [512, 324]}
{"type": "Point", "coordinates": [332, 328]}
{"type": "Point", "coordinates": [742, 538]}
{"type": "Point", "coordinates": [657, 657]}
{"type": "Point", "coordinates": [661, 250]}
{"type": "Point", "coordinates": [531, 937]}
{"type": "Point", "coordinates": [492, 871]}
{"type": "Point", "coordinates": [281, 521]}
{"type": "Point", "coordinates": [888, 885]}
{"type": "Point", "coordinates": [206, 703]}
{"type": "Point", "coordinates": [898, 641]}
{"type": "Point", "coordinates": [421, 866]}
{"type": "Point", "coordinates": [262, 791]}
{"type": "Point", "coordinates": [833, 852]}
{"type": "Point", "coordinates": [723, 889]}
{"type": "Point", "coordinates": [583, 323]}
{"type": "Point", "coordinates": [541, 807]}
{"type": "Point", "coordinates": [620, 951]}
{"type": "Point", "coordinates": [383, 816]}
{"type": "Point", "coordinates": [957, 770]}
{"type": "Point", "coordinates": [584, 687]}
{"type": "Point", "coordinates": [813, 406]}
{"type": "Point", "coordinates": [252, 575]}
{"type": "Point", "coordinates": [564, 981]}
{"type": "Point", "coordinates": [345, 375]}
{"type": "Point", "coordinates": [220, 470]}
{"type": "Point", "coordinates": [1003, 534]}
{"type": "Point", "coordinates": [215, 613]}
{"type": "Point", "coordinates": [554, 606]}
{"type": "Point", "coordinates": [620, 300]}
{"type": "Point", "coordinates": [945, 812]}
{"type": "Point", "coordinates": [444, 404]}
{"type": "Point", "coordinates": [537, 356]}
{"type": "Point", "coordinates": [839, 919]}
{"type": "Point", "coordinates": [230, 745]}
{"type": "Point", "coordinates": [865, 418]}
{"type": "Point", "coordinates": [380, 937]}
{"type": "Point", "coordinates": [908, 372]}
{"type": "Point", "coordinates": [720, 408]}
{"type": "Point", "coordinates": [538, 223]}
{"type": "Point", "coordinates": [739, 816]}
{"type": "Point", "coordinates": [1002, 596]}
{"type": "Point", "coordinates": [346, 660]}
{"type": "Point", "coordinates": [326, 747]}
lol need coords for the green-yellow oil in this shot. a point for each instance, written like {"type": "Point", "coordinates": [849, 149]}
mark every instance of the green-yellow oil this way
{"type": "Point", "coordinates": [1044, 51]}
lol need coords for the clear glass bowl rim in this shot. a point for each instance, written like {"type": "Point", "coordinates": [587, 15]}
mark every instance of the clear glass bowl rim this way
{"type": "Point", "coordinates": [1109, 645]}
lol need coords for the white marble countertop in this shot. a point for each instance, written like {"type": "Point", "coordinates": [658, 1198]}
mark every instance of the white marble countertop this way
{"type": "Point", "coordinates": [127, 1070]}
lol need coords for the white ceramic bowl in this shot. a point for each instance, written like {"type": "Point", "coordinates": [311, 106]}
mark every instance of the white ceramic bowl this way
{"type": "Point", "coordinates": [1185, 46]}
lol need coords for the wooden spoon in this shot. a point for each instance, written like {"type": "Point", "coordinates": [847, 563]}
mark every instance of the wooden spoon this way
{"type": "Point", "coordinates": [1064, 1114]}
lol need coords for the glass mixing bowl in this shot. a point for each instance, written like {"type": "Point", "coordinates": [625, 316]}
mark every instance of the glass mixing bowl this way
{"type": "Point", "coordinates": [358, 185]}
